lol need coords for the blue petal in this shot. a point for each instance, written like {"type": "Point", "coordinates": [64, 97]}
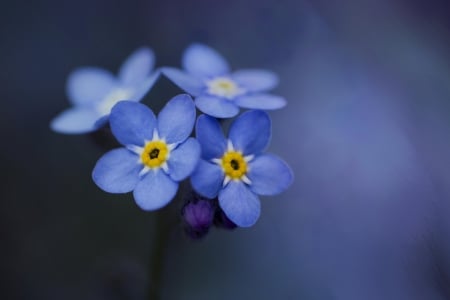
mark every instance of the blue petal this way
{"type": "Point", "coordinates": [256, 80]}
{"type": "Point", "coordinates": [251, 132]}
{"type": "Point", "coordinates": [203, 61]}
{"type": "Point", "coordinates": [207, 179]}
{"type": "Point", "coordinates": [261, 101]}
{"type": "Point", "coordinates": [185, 81]}
{"type": "Point", "coordinates": [176, 120]}
{"type": "Point", "coordinates": [155, 190]}
{"type": "Point", "coordinates": [89, 85]}
{"type": "Point", "coordinates": [117, 171]}
{"type": "Point", "coordinates": [217, 107]}
{"type": "Point", "coordinates": [137, 67]}
{"type": "Point", "coordinates": [240, 204]}
{"type": "Point", "coordinates": [184, 159]}
{"type": "Point", "coordinates": [75, 120]}
{"type": "Point", "coordinates": [210, 136]}
{"type": "Point", "coordinates": [132, 123]}
{"type": "Point", "coordinates": [269, 175]}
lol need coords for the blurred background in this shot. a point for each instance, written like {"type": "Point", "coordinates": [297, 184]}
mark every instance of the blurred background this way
{"type": "Point", "coordinates": [366, 130]}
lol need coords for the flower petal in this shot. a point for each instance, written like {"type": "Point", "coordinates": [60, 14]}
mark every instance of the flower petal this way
{"type": "Point", "coordinates": [184, 159]}
{"type": "Point", "coordinates": [269, 175]}
{"type": "Point", "coordinates": [137, 67]}
{"type": "Point", "coordinates": [89, 85]}
{"type": "Point", "coordinates": [240, 204]}
{"type": "Point", "coordinates": [251, 132]}
{"type": "Point", "coordinates": [261, 101]}
{"type": "Point", "coordinates": [187, 82]}
{"type": "Point", "coordinates": [176, 120]}
{"type": "Point", "coordinates": [207, 179]}
{"type": "Point", "coordinates": [203, 61]}
{"type": "Point", "coordinates": [210, 136]}
{"type": "Point", "coordinates": [216, 107]}
{"type": "Point", "coordinates": [254, 80]}
{"type": "Point", "coordinates": [75, 120]}
{"type": "Point", "coordinates": [132, 123]}
{"type": "Point", "coordinates": [155, 190]}
{"type": "Point", "coordinates": [117, 171]}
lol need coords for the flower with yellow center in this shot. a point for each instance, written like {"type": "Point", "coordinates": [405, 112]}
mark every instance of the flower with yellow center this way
{"type": "Point", "coordinates": [158, 153]}
{"type": "Point", "coordinates": [93, 92]}
{"type": "Point", "coordinates": [236, 170]}
{"type": "Point", "coordinates": [219, 91]}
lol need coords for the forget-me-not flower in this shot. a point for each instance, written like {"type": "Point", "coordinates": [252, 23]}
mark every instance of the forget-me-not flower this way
{"type": "Point", "coordinates": [158, 152]}
{"type": "Point", "coordinates": [218, 91]}
{"type": "Point", "coordinates": [235, 169]}
{"type": "Point", "coordinates": [94, 91]}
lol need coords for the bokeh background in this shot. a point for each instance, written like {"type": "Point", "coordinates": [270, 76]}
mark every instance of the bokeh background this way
{"type": "Point", "coordinates": [366, 130]}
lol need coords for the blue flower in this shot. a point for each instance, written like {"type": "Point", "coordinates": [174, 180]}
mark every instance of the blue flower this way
{"type": "Point", "coordinates": [93, 92]}
{"type": "Point", "coordinates": [158, 153]}
{"type": "Point", "coordinates": [220, 93]}
{"type": "Point", "coordinates": [235, 169]}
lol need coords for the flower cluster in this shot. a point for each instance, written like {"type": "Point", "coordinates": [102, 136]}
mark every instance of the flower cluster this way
{"type": "Point", "coordinates": [226, 172]}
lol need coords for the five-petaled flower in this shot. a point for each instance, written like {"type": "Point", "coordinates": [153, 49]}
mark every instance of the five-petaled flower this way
{"type": "Point", "coordinates": [220, 93]}
{"type": "Point", "coordinates": [158, 152]}
{"type": "Point", "coordinates": [93, 92]}
{"type": "Point", "coordinates": [235, 169]}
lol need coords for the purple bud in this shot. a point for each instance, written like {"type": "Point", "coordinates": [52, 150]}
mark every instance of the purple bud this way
{"type": "Point", "coordinates": [198, 215]}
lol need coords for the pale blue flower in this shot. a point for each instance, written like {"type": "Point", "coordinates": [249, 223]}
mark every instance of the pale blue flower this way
{"type": "Point", "coordinates": [218, 91]}
{"type": "Point", "coordinates": [93, 92]}
{"type": "Point", "coordinates": [236, 169]}
{"type": "Point", "coordinates": [158, 152]}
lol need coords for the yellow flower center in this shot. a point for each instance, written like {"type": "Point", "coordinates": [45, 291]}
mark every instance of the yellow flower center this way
{"type": "Point", "coordinates": [155, 154]}
{"type": "Point", "coordinates": [223, 87]}
{"type": "Point", "coordinates": [234, 165]}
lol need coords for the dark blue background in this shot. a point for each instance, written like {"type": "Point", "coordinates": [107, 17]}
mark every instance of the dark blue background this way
{"type": "Point", "coordinates": [366, 130]}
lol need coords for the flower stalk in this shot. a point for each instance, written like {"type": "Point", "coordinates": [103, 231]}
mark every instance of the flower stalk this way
{"type": "Point", "coordinates": [164, 228]}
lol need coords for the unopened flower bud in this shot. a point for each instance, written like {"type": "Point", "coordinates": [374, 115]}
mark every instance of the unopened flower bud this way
{"type": "Point", "coordinates": [198, 215]}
